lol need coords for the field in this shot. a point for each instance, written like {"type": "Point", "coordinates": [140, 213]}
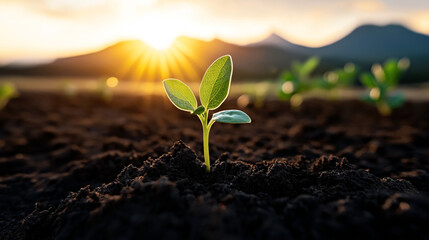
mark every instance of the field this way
{"type": "Point", "coordinates": [81, 168]}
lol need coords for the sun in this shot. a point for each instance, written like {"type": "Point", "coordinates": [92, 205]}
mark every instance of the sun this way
{"type": "Point", "coordinates": [159, 31]}
{"type": "Point", "coordinates": [159, 42]}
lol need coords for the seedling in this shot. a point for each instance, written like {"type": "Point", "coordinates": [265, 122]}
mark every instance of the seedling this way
{"type": "Point", "coordinates": [7, 92]}
{"type": "Point", "coordinates": [68, 89]}
{"type": "Point", "coordinates": [333, 80]}
{"type": "Point", "coordinates": [255, 93]}
{"type": "Point", "coordinates": [381, 82]}
{"type": "Point", "coordinates": [297, 81]}
{"type": "Point", "coordinates": [104, 88]}
{"type": "Point", "coordinates": [214, 89]}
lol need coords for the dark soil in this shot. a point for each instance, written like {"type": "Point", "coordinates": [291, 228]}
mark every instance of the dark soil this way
{"type": "Point", "coordinates": [132, 169]}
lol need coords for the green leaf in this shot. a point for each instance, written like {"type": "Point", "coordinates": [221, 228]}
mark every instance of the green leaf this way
{"type": "Point", "coordinates": [367, 98]}
{"type": "Point", "coordinates": [231, 116]}
{"type": "Point", "coordinates": [391, 72]}
{"type": "Point", "coordinates": [309, 66]}
{"type": "Point", "coordinates": [396, 100]}
{"type": "Point", "coordinates": [368, 80]}
{"type": "Point", "coordinates": [8, 90]}
{"type": "Point", "coordinates": [180, 95]}
{"type": "Point", "coordinates": [216, 83]}
{"type": "Point", "coordinates": [199, 110]}
{"type": "Point", "coordinates": [296, 68]}
{"type": "Point", "coordinates": [287, 76]}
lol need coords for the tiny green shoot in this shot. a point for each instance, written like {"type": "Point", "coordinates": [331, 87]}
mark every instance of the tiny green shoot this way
{"type": "Point", "coordinates": [68, 89]}
{"type": "Point", "coordinates": [7, 92]}
{"type": "Point", "coordinates": [296, 81]}
{"type": "Point", "coordinates": [104, 88]}
{"type": "Point", "coordinates": [381, 82]}
{"type": "Point", "coordinates": [214, 89]}
{"type": "Point", "coordinates": [255, 93]}
{"type": "Point", "coordinates": [338, 78]}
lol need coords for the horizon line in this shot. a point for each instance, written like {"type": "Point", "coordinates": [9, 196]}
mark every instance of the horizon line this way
{"type": "Point", "coordinates": [28, 61]}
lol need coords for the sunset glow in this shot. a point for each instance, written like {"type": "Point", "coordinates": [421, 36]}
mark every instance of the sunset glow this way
{"type": "Point", "coordinates": [147, 62]}
{"type": "Point", "coordinates": [57, 28]}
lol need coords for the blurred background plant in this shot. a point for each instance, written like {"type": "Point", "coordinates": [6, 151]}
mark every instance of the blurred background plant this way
{"type": "Point", "coordinates": [381, 81]}
{"type": "Point", "coordinates": [333, 81]}
{"type": "Point", "coordinates": [254, 93]}
{"type": "Point", "coordinates": [294, 82]}
{"type": "Point", "coordinates": [68, 89]}
{"type": "Point", "coordinates": [104, 88]}
{"type": "Point", "coordinates": [7, 92]}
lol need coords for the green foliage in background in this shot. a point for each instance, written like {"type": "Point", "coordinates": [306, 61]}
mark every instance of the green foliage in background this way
{"type": "Point", "coordinates": [103, 91]}
{"type": "Point", "coordinates": [342, 77]}
{"type": "Point", "coordinates": [338, 78]}
{"type": "Point", "coordinates": [68, 89]}
{"type": "Point", "coordinates": [255, 93]}
{"type": "Point", "coordinates": [381, 81]}
{"type": "Point", "coordinates": [214, 89]}
{"type": "Point", "coordinates": [7, 92]}
{"type": "Point", "coordinates": [297, 80]}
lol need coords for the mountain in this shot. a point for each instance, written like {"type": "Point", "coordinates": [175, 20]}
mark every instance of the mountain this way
{"type": "Point", "coordinates": [377, 43]}
{"type": "Point", "coordinates": [277, 41]}
{"type": "Point", "coordinates": [188, 58]}
{"type": "Point", "coordinates": [366, 45]}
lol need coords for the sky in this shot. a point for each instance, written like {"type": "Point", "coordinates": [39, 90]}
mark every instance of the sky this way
{"type": "Point", "coordinates": [31, 30]}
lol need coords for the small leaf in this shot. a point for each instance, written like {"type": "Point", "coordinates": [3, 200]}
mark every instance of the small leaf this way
{"type": "Point", "coordinates": [180, 95]}
{"type": "Point", "coordinates": [296, 67]}
{"type": "Point", "coordinates": [392, 72]}
{"type": "Point", "coordinates": [309, 66]}
{"type": "Point", "coordinates": [287, 76]}
{"type": "Point", "coordinates": [8, 90]}
{"type": "Point", "coordinates": [216, 83]}
{"type": "Point", "coordinates": [395, 100]}
{"type": "Point", "coordinates": [368, 80]}
{"type": "Point", "coordinates": [199, 110]}
{"type": "Point", "coordinates": [231, 116]}
{"type": "Point", "coordinates": [367, 98]}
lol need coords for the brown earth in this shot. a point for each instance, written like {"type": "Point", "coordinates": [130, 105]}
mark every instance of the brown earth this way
{"type": "Point", "coordinates": [131, 169]}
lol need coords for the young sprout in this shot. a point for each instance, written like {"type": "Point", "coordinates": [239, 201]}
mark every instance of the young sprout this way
{"type": "Point", "coordinates": [297, 81]}
{"type": "Point", "coordinates": [7, 92]}
{"type": "Point", "coordinates": [104, 88]}
{"type": "Point", "coordinates": [380, 83]}
{"type": "Point", "coordinates": [214, 89]}
{"type": "Point", "coordinates": [337, 78]}
{"type": "Point", "coordinates": [255, 93]}
{"type": "Point", "coordinates": [68, 89]}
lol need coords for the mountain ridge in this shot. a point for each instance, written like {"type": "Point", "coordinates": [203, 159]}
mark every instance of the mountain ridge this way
{"type": "Point", "coordinates": [264, 59]}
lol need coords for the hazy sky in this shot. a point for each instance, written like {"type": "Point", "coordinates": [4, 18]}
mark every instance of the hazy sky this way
{"type": "Point", "coordinates": [33, 29]}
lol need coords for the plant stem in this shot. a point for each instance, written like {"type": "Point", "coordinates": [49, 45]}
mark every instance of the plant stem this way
{"type": "Point", "coordinates": [206, 146]}
{"type": "Point", "coordinates": [206, 129]}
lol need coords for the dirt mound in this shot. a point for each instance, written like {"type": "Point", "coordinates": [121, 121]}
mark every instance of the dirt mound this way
{"type": "Point", "coordinates": [172, 197]}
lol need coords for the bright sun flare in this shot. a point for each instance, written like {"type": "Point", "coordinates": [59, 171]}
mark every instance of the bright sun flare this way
{"type": "Point", "coordinates": [159, 42]}
{"type": "Point", "coordinates": [161, 33]}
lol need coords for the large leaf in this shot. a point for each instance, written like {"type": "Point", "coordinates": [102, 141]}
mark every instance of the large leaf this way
{"type": "Point", "coordinates": [180, 95]}
{"type": "Point", "coordinates": [231, 116]}
{"type": "Point", "coordinates": [216, 83]}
